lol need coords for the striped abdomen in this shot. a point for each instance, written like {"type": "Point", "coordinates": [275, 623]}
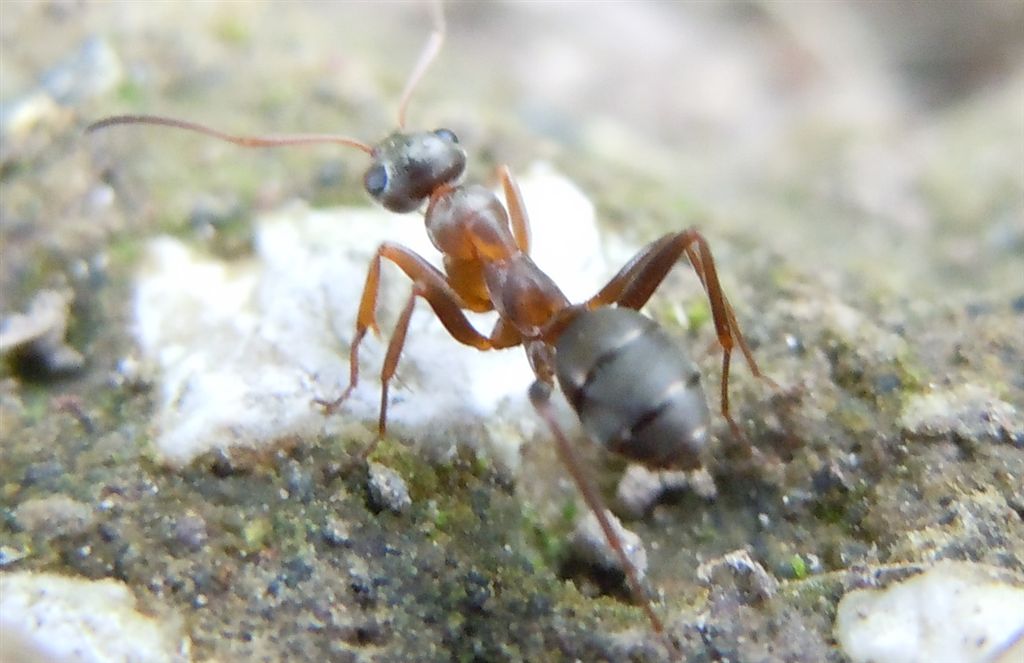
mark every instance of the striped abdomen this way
{"type": "Point", "coordinates": [633, 388]}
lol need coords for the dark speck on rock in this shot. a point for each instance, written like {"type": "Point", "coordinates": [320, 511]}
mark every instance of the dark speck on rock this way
{"type": "Point", "coordinates": [209, 213]}
{"type": "Point", "coordinates": [795, 344]}
{"type": "Point", "coordinates": [203, 580]}
{"type": "Point", "coordinates": [42, 473]}
{"type": "Point", "coordinates": [829, 478]}
{"type": "Point", "coordinates": [299, 482]}
{"type": "Point", "coordinates": [109, 532]}
{"type": "Point", "coordinates": [363, 591]}
{"type": "Point", "coordinates": [478, 590]}
{"type": "Point", "coordinates": [223, 465]}
{"type": "Point", "coordinates": [127, 560]}
{"type": "Point", "coordinates": [190, 531]}
{"type": "Point", "coordinates": [297, 570]}
{"type": "Point", "coordinates": [887, 383]}
{"type": "Point", "coordinates": [368, 632]}
{"type": "Point", "coordinates": [976, 309]}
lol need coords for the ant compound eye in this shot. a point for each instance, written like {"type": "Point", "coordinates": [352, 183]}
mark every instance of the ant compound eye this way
{"type": "Point", "coordinates": [376, 180]}
{"type": "Point", "coordinates": [446, 134]}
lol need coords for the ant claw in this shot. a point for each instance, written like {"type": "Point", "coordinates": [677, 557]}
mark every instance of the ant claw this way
{"type": "Point", "coordinates": [330, 406]}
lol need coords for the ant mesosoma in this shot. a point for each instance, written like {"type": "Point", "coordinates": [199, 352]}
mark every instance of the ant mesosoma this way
{"type": "Point", "coordinates": [632, 388]}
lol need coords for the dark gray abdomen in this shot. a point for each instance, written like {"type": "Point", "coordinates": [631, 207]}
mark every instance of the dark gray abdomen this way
{"type": "Point", "coordinates": [633, 388]}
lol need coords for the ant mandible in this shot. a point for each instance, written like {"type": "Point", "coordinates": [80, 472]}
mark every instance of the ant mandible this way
{"type": "Point", "coordinates": [633, 389]}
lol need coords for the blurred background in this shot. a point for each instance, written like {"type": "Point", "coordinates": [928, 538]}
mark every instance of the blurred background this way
{"type": "Point", "coordinates": [877, 143]}
{"type": "Point", "coordinates": [858, 169]}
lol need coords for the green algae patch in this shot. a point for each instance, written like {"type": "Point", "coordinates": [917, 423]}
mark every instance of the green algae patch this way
{"type": "Point", "coordinates": [798, 566]}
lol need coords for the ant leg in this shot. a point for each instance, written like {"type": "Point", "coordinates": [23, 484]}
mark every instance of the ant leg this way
{"type": "Point", "coordinates": [612, 290]}
{"type": "Point", "coordinates": [633, 286]}
{"type": "Point", "coordinates": [540, 397]}
{"type": "Point", "coordinates": [365, 319]}
{"type": "Point", "coordinates": [443, 299]}
{"type": "Point", "coordinates": [433, 286]}
{"type": "Point", "coordinates": [387, 371]}
{"type": "Point", "coordinates": [503, 336]}
{"type": "Point", "coordinates": [430, 284]}
{"type": "Point", "coordinates": [516, 209]}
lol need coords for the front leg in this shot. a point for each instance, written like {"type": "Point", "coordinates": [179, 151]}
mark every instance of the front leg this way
{"type": "Point", "coordinates": [430, 284]}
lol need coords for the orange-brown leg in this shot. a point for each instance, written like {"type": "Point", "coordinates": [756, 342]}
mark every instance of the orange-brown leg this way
{"type": "Point", "coordinates": [633, 286]}
{"type": "Point", "coordinates": [612, 290]}
{"type": "Point", "coordinates": [540, 397]}
{"type": "Point", "coordinates": [443, 299]}
{"type": "Point", "coordinates": [430, 284]}
{"type": "Point", "coordinates": [387, 371]}
{"type": "Point", "coordinates": [516, 209]}
{"type": "Point", "coordinates": [502, 336]}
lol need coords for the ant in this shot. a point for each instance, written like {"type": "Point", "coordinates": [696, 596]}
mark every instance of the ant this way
{"type": "Point", "coordinates": [633, 389]}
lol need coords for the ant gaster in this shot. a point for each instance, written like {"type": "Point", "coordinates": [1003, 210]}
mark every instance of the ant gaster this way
{"type": "Point", "coordinates": [633, 389]}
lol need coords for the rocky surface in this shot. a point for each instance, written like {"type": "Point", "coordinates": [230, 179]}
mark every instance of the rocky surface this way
{"type": "Point", "coordinates": [859, 182]}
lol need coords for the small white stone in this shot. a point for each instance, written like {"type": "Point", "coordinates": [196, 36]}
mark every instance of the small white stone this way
{"type": "Point", "coordinates": [388, 489]}
{"type": "Point", "coordinates": [589, 542]}
{"type": "Point", "coordinates": [738, 571]}
{"type": "Point", "coordinates": [46, 617]}
{"type": "Point", "coordinates": [640, 488]}
{"type": "Point", "coordinates": [956, 612]}
{"type": "Point", "coordinates": [41, 330]}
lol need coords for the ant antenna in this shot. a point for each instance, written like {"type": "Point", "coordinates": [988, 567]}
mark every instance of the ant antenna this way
{"type": "Point", "coordinates": [244, 141]}
{"type": "Point", "coordinates": [427, 57]}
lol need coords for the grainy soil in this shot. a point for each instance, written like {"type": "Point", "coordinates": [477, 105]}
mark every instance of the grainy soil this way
{"type": "Point", "coordinates": [862, 188]}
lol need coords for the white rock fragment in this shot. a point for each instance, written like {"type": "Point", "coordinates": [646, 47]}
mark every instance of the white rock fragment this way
{"type": "Point", "coordinates": [738, 571]}
{"type": "Point", "coordinates": [589, 543]}
{"type": "Point", "coordinates": [241, 349]}
{"type": "Point", "coordinates": [52, 618]}
{"type": "Point", "coordinates": [640, 489]}
{"type": "Point", "coordinates": [387, 489]}
{"type": "Point", "coordinates": [969, 411]}
{"type": "Point", "coordinates": [38, 334]}
{"type": "Point", "coordinates": [956, 612]}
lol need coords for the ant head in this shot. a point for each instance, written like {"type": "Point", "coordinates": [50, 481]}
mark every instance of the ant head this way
{"type": "Point", "coordinates": [408, 167]}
